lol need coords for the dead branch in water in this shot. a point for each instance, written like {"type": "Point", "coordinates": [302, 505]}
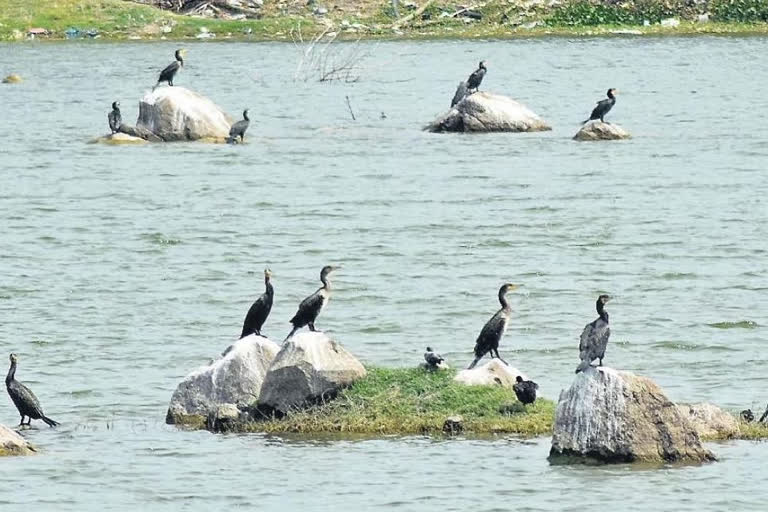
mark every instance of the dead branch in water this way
{"type": "Point", "coordinates": [325, 59]}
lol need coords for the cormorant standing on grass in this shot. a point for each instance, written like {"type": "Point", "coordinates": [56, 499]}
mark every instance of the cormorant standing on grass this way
{"type": "Point", "coordinates": [525, 390]}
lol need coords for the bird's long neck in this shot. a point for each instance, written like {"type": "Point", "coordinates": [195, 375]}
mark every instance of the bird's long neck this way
{"type": "Point", "coordinates": [326, 283]}
{"type": "Point", "coordinates": [180, 59]}
{"type": "Point", "coordinates": [601, 311]}
{"type": "Point", "coordinates": [245, 116]}
{"type": "Point", "coordinates": [11, 373]}
{"type": "Point", "coordinates": [269, 289]}
{"type": "Point", "coordinates": [503, 301]}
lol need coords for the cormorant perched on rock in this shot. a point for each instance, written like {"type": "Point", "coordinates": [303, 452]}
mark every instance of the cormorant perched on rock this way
{"type": "Point", "coordinates": [603, 107]}
{"type": "Point", "coordinates": [171, 69]}
{"type": "Point", "coordinates": [238, 129]}
{"type": "Point", "coordinates": [461, 91]}
{"type": "Point", "coordinates": [24, 399]}
{"type": "Point", "coordinates": [595, 336]}
{"type": "Point", "coordinates": [525, 390]}
{"type": "Point", "coordinates": [493, 331]}
{"type": "Point", "coordinates": [114, 117]}
{"type": "Point", "coordinates": [314, 304]}
{"type": "Point", "coordinates": [259, 310]}
{"type": "Point", "coordinates": [433, 360]}
{"type": "Point", "coordinates": [474, 80]}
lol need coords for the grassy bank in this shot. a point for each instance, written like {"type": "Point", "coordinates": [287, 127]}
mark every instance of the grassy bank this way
{"type": "Point", "coordinates": [352, 19]}
{"type": "Point", "coordinates": [412, 401]}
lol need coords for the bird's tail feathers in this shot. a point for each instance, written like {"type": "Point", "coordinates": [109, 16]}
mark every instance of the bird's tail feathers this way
{"type": "Point", "coordinates": [50, 422]}
{"type": "Point", "coordinates": [585, 121]}
{"type": "Point", "coordinates": [583, 365]}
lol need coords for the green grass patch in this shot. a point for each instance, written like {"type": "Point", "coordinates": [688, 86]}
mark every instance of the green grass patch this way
{"type": "Point", "coordinates": [753, 431]}
{"type": "Point", "coordinates": [415, 401]}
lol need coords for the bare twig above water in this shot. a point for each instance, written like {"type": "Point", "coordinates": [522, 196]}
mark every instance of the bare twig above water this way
{"type": "Point", "coordinates": [325, 59]}
{"type": "Point", "coordinates": [349, 106]}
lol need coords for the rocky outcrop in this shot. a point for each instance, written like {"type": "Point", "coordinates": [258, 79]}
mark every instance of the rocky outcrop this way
{"type": "Point", "coordinates": [176, 113]}
{"type": "Point", "coordinates": [118, 139]}
{"type": "Point", "coordinates": [310, 367]}
{"type": "Point", "coordinates": [710, 421]}
{"type": "Point", "coordinates": [492, 373]}
{"type": "Point", "coordinates": [11, 443]}
{"type": "Point", "coordinates": [612, 416]}
{"type": "Point", "coordinates": [596, 130]}
{"type": "Point", "coordinates": [486, 112]}
{"type": "Point", "coordinates": [234, 379]}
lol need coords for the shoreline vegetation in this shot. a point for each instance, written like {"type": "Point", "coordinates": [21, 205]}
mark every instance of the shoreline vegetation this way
{"type": "Point", "coordinates": [412, 401]}
{"type": "Point", "coordinates": [376, 19]}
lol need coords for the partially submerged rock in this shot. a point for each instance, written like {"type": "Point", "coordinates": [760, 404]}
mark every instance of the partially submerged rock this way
{"type": "Point", "coordinates": [11, 443]}
{"type": "Point", "coordinates": [176, 113]}
{"type": "Point", "coordinates": [486, 112]}
{"type": "Point", "coordinates": [119, 138]}
{"type": "Point", "coordinates": [311, 367]}
{"type": "Point", "coordinates": [453, 425]}
{"type": "Point", "coordinates": [13, 78]}
{"type": "Point", "coordinates": [597, 130]}
{"type": "Point", "coordinates": [492, 373]}
{"type": "Point", "coordinates": [234, 379]}
{"type": "Point", "coordinates": [710, 421]}
{"type": "Point", "coordinates": [612, 416]}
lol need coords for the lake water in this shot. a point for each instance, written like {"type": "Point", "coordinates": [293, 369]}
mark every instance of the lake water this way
{"type": "Point", "coordinates": [123, 268]}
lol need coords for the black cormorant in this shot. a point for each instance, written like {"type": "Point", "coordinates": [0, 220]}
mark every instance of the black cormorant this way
{"type": "Point", "coordinates": [114, 117]}
{"type": "Point", "coordinates": [238, 129]}
{"type": "Point", "coordinates": [525, 390]}
{"type": "Point", "coordinates": [603, 107]}
{"type": "Point", "coordinates": [595, 336]}
{"type": "Point", "coordinates": [493, 330]}
{"type": "Point", "coordinates": [24, 399]}
{"type": "Point", "coordinates": [474, 80]}
{"type": "Point", "coordinates": [259, 310]}
{"type": "Point", "coordinates": [311, 307]}
{"type": "Point", "coordinates": [171, 69]}
{"type": "Point", "coordinates": [461, 91]}
{"type": "Point", "coordinates": [433, 360]}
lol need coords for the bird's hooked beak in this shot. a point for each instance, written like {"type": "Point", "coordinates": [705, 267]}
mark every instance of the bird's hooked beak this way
{"type": "Point", "coordinates": [511, 287]}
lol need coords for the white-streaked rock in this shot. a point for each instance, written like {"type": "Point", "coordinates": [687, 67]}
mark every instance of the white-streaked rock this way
{"type": "Point", "coordinates": [710, 421]}
{"type": "Point", "coordinates": [236, 378]}
{"type": "Point", "coordinates": [310, 367]}
{"type": "Point", "coordinates": [176, 113]}
{"type": "Point", "coordinates": [487, 112]}
{"type": "Point", "coordinates": [492, 373]}
{"type": "Point", "coordinates": [11, 443]}
{"type": "Point", "coordinates": [597, 130]}
{"type": "Point", "coordinates": [613, 416]}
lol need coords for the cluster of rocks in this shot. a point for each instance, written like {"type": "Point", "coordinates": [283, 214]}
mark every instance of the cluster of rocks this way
{"type": "Point", "coordinates": [256, 378]}
{"type": "Point", "coordinates": [485, 112]}
{"type": "Point", "coordinates": [169, 114]}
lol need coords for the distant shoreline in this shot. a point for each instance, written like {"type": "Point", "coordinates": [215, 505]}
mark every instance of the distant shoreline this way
{"type": "Point", "coordinates": [119, 20]}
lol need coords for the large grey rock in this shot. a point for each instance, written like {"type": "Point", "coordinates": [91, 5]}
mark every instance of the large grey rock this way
{"type": "Point", "coordinates": [176, 113]}
{"type": "Point", "coordinates": [234, 379]}
{"type": "Point", "coordinates": [492, 373]}
{"type": "Point", "coordinates": [710, 421]}
{"type": "Point", "coordinates": [486, 112]}
{"type": "Point", "coordinates": [613, 416]}
{"type": "Point", "coordinates": [309, 368]}
{"type": "Point", "coordinates": [596, 130]}
{"type": "Point", "coordinates": [11, 443]}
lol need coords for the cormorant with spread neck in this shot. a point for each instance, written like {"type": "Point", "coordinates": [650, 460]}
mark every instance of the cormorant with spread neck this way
{"type": "Point", "coordinates": [594, 338]}
{"type": "Point", "coordinates": [311, 307]}
{"type": "Point", "coordinates": [23, 398]}
{"type": "Point", "coordinates": [603, 107]}
{"type": "Point", "coordinates": [259, 310]}
{"type": "Point", "coordinates": [493, 331]}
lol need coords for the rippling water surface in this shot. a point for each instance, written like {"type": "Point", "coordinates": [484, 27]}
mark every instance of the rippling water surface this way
{"type": "Point", "coordinates": [125, 267]}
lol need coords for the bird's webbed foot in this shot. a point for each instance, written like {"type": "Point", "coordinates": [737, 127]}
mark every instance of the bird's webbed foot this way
{"type": "Point", "coordinates": [311, 326]}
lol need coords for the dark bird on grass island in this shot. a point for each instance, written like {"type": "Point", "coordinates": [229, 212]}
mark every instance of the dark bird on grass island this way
{"type": "Point", "coordinates": [114, 117]}
{"type": "Point", "coordinates": [433, 360]}
{"type": "Point", "coordinates": [525, 390]}
{"type": "Point", "coordinates": [603, 107]}
{"type": "Point", "coordinates": [489, 338]}
{"type": "Point", "coordinates": [311, 307]}
{"type": "Point", "coordinates": [259, 310]}
{"type": "Point", "coordinates": [594, 338]}
{"type": "Point", "coordinates": [171, 69]}
{"type": "Point", "coordinates": [24, 399]}
{"type": "Point", "coordinates": [476, 78]}
{"type": "Point", "coordinates": [238, 129]}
